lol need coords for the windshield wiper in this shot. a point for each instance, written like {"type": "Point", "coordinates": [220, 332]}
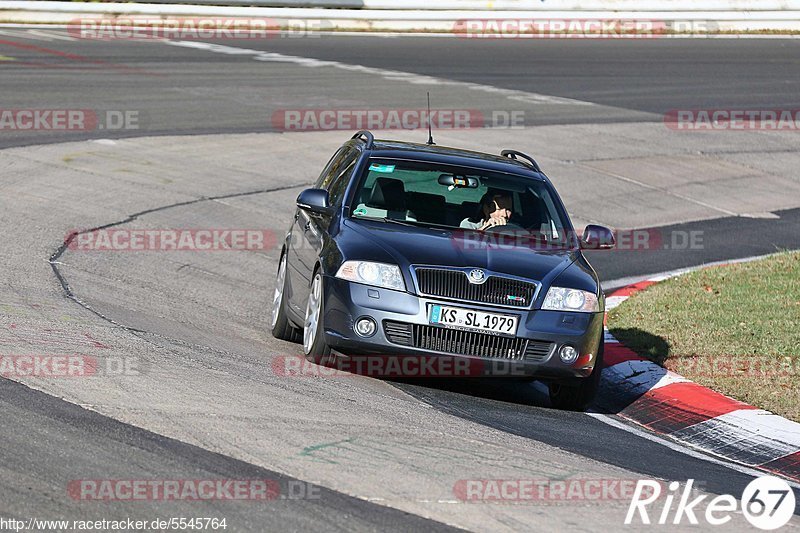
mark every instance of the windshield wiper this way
{"type": "Point", "coordinates": [401, 222]}
{"type": "Point", "coordinates": [387, 219]}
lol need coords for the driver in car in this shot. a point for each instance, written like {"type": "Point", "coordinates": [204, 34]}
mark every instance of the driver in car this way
{"type": "Point", "coordinates": [495, 209]}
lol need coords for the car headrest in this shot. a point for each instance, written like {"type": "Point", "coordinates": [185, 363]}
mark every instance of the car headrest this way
{"type": "Point", "coordinates": [469, 209]}
{"type": "Point", "coordinates": [389, 194]}
{"type": "Point", "coordinates": [425, 201]}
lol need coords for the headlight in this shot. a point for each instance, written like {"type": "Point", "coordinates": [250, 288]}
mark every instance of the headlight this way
{"type": "Point", "coordinates": [376, 274]}
{"type": "Point", "coordinates": [561, 299]}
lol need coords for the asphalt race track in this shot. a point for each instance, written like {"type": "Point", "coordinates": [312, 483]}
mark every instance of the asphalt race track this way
{"type": "Point", "coordinates": [210, 401]}
{"type": "Point", "coordinates": [178, 90]}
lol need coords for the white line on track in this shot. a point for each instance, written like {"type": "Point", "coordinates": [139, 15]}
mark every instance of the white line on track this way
{"type": "Point", "coordinates": [24, 35]}
{"type": "Point", "coordinates": [684, 449]}
{"type": "Point", "coordinates": [50, 35]}
{"type": "Point", "coordinates": [393, 75]}
{"type": "Point", "coordinates": [663, 190]}
{"type": "Point", "coordinates": [35, 35]}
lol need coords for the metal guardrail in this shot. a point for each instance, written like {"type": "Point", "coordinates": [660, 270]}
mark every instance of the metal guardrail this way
{"type": "Point", "coordinates": [503, 5]}
{"type": "Point", "coordinates": [334, 4]}
{"type": "Point", "coordinates": [696, 17]}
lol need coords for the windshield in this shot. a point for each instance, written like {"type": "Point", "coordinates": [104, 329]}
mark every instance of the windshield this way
{"type": "Point", "coordinates": [438, 195]}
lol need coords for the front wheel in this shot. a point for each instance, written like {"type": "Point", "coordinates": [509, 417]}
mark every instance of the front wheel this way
{"type": "Point", "coordinates": [281, 327]}
{"type": "Point", "coordinates": [314, 345]}
{"type": "Point", "coordinates": [578, 394]}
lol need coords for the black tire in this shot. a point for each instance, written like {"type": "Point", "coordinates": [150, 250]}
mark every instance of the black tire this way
{"type": "Point", "coordinates": [282, 328]}
{"type": "Point", "coordinates": [578, 394]}
{"type": "Point", "coordinates": [314, 346]}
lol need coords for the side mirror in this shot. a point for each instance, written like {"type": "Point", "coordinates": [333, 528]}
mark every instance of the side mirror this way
{"type": "Point", "coordinates": [315, 201]}
{"type": "Point", "coordinates": [597, 238]}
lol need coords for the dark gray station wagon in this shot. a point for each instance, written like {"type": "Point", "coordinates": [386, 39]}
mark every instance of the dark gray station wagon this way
{"type": "Point", "coordinates": [410, 251]}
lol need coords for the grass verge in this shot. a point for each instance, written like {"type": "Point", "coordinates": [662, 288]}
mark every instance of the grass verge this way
{"type": "Point", "coordinates": [735, 329]}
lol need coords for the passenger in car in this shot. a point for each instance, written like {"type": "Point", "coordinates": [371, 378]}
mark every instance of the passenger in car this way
{"type": "Point", "coordinates": [495, 209]}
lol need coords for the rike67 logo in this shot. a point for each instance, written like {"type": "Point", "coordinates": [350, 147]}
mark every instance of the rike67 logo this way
{"type": "Point", "coordinates": [767, 502]}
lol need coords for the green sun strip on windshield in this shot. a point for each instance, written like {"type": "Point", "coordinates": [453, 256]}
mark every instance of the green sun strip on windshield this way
{"type": "Point", "coordinates": [385, 169]}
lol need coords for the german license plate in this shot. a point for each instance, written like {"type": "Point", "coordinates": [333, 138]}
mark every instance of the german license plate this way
{"type": "Point", "coordinates": [470, 319]}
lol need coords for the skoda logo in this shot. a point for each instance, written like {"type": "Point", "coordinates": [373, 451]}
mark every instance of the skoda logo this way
{"type": "Point", "coordinates": [477, 276]}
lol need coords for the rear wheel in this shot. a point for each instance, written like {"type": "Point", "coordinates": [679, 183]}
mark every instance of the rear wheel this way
{"type": "Point", "coordinates": [281, 327]}
{"type": "Point", "coordinates": [313, 332]}
{"type": "Point", "coordinates": [577, 394]}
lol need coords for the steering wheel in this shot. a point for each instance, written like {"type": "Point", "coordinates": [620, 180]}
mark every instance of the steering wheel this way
{"type": "Point", "coordinates": [507, 228]}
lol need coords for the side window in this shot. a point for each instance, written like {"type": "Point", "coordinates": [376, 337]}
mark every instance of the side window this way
{"type": "Point", "coordinates": [339, 186]}
{"type": "Point", "coordinates": [334, 168]}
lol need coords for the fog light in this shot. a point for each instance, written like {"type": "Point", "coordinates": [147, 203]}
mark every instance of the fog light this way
{"type": "Point", "coordinates": [568, 354]}
{"type": "Point", "coordinates": [366, 327]}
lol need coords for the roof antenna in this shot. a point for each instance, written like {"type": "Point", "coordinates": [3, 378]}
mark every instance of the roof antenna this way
{"type": "Point", "coordinates": [430, 130]}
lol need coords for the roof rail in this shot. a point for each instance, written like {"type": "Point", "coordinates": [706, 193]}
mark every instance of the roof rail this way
{"type": "Point", "coordinates": [513, 154]}
{"type": "Point", "coordinates": [369, 138]}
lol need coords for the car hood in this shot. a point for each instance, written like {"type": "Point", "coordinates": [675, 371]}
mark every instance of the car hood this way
{"type": "Point", "coordinates": [405, 246]}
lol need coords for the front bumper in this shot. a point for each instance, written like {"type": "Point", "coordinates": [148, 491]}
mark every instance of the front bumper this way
{"type": "Point", "coordinates": [548, 331]}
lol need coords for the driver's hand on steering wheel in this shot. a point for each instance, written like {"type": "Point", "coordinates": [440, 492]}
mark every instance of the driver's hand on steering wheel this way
{"type": "Point", "coordinates": [498, 212]}
{"type": "Point", "coordinates": [494, 221]}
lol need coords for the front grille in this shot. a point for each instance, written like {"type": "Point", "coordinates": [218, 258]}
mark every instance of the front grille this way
{"type": "Point", "coordinates": [455, 285]}
{"type": "Point", "coordinates": [436, 339]}
{"type": "Point", "coordinates": [467, 342]}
